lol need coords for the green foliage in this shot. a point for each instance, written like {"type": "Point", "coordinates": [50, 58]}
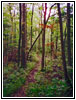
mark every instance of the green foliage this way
{"type": "Point", "coordinates": [13, 85]}
{"type": "Point", "coordinates": [34, 57]}
{"type": "Point", "coordinates": [15, 78]}
{"type": "Point", "coordinates": [30, 66]}
{"type": "Point", "coordinates": [58, 88]}
{"type": "Point", "coordinates": [39, 77]}
{"type": "Point", "coordinates": [13, 82]}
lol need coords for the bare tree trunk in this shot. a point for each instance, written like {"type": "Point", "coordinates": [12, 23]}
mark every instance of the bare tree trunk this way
{"type": "Point", "coordinates": [23, 37]}
{"type": "Point", "coordinates": [26, 30]}
{"type": "Point", "coordinates": [19, 34]}
{"type": "Point", "coordinates": [62, 46]}
{"type": "Point", "coordinates": [56, 42]}
{"type": "Point", "coordinates": [51, 42]}
{"type": "Point", "coordinates": [57, 39]}
{"type": "Point", "coordinates": [39, 37]}
{"type": "Point", "coordinates": [39, 43]}
{"type": "Point", "coordinates": [11, 22]}
{"type": "Point", "coordinates": [14, 28]}
{"type": "Point", "coordinates": [68, 34]}
{"type": "Point", "coordinates": [43, 38]}
{"type": "Point", "coordinates": [64, 37]}
{"type": "Point", "coordinates": [32, 22]}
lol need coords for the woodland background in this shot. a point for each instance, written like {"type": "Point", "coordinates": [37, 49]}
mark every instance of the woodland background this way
{"type": "Point", "coordinates": [38, 49]}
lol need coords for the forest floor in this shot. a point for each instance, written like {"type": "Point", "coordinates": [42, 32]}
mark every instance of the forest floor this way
{"type": "Point", "coordinates": [32, 82]}
{"type": "Point", "coordinates": [30, 79]}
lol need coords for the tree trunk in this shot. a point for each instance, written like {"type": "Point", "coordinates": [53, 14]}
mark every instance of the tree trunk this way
{"type": "Point", "coordinates": [26, 30]}
{"type": "Point", "coordinates": [19, 34]}
{"type": "Point", "coordinates": [40, 31]}
{"type": "Point", "coordinates": [10, 8]}
{"type": "Point", "coordinates": [68, 34]}
{"type": "Point", "coordinates": [23, 37]}
{"type": "Point", "coordinates": [39, 37]}
{"type": "Point", "coordinates": [65, 38]}
{"type": "Point", "coordinates": [43, 38]}
{"type": "Point", "coordinates": [14, 27]}
{"type": "Point", "coordinates": [62, 46]}
{"type": "Point", "coordinates": [32, 22]}
{"type": "Point", "coordinates": [51, 42]}
{"type": "Point", "coordinates": [56, 42]}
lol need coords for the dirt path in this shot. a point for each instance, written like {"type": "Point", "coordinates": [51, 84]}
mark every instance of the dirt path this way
{"type": "Point", "coordinates": [22, 91]}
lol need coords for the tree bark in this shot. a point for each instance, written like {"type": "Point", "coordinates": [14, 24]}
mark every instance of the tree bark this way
{"type": "Point", "coordinates": [11, 22]}
{"type": "Point", "coordinates": [14, 28]}
{"type": "Point", "coordinates": [51, 41]}
{"type": "Point", "coordinates": [43, 39]}
{"type": "Point", "coordinates": [68, 34]}
{"type": "Point", "coordinates": [56, 42]}
{"type": "Point", "coordinates": [26, 31]}
{"type": "Point", "coordinates": [23, 37]}
{"type": "Point", "coordinates": [40, 13]}
{"type": "Point", "coordinates": [32, 22]}
{"type": "Point", "coordinates": [19, 34]}
{"type": "Point", "coordinates": [62, 46]}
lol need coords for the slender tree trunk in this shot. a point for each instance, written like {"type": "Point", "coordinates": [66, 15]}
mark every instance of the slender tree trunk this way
{"type": "Point", "coordinates": [56, 42]}
{"type": "Point", "coordinates": [26, 30]}
{"type": "Point", "coordinates": [14, 28]}
{"type": "Point", "coordinates": [51, 42]}
{"type": "Point", "coordinates": [32, 22]}
{"type": "Point", "coordinates": [23, 37]}
{"type": "Point", "coordinates": [43, 38]}
{"type": "Point", "coordinates": [64, 38]}
{"type": "Point", "coordinates": [19, 34]}
{"type": "Point", "coordinates": [11, 22]}
{"type": "Point", "coordinates": [39, 37]}
{"type": "Point", "coordinates": [57, 39]}
{"type": "Point", "coordinates": [68, 34]}
{"type": "Point", "coordinates": [62, 46]}
{"type": "Point", "coordinates": [39, 43]}
{"type": "Point", "coordinates": [40, 31]}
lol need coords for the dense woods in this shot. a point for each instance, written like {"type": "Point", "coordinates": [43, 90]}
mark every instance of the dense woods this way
{"type": "Point", "coordinates": [38, 49]}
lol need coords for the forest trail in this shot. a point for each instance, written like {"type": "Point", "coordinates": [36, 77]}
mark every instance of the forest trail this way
{"type": "Point", "coordinates": [30, 79]}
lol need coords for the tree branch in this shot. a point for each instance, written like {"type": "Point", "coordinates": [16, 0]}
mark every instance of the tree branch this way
{"type": "Point", "coordinates": [40, 31]}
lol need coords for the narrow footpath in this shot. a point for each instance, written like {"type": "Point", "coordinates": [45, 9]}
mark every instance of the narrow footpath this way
{"type": "Point", "coordinates": [30, 79]}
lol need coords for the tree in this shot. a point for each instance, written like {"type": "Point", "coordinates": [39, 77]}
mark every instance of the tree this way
{"type": "Point", "coordinates": [62, 46]}
{"type": "Point", "coordinates": [14, 27]}
{"type": "Point", "coordinates": [68, 34]}
{"type": "Point", "coordinates": [32, 22]}
{"type": "Point", "coordinates": [10, 8]}
{"type": "Point", "coordinates": [51, 41]}
{"type": "Point", "coordinates": [43, 38]}
{"type": "Point", "coordinates": [26, 30]}
{"type": "Point", "coordinates": [23, 37]}
{"type": "Point", "coordinates": [19, 34]}
{"type": "Point", "coordinates": [41, 30]}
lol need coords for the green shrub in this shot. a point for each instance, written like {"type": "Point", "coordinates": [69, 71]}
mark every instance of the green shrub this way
{"type": "Point", "coordinates": [58, 88]}
{"type": "Point", "coordinates": [34, 57]}
{"type": "Point", "coordinates": [13, 86]}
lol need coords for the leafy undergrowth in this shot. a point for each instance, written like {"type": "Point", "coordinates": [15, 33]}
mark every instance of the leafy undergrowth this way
{"type": "Point", "coordinates": [57, 88]}
{"type": "Point", "coordinates": [50, 82]}
{"type": "Point", "coordinates": [14, 77]}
